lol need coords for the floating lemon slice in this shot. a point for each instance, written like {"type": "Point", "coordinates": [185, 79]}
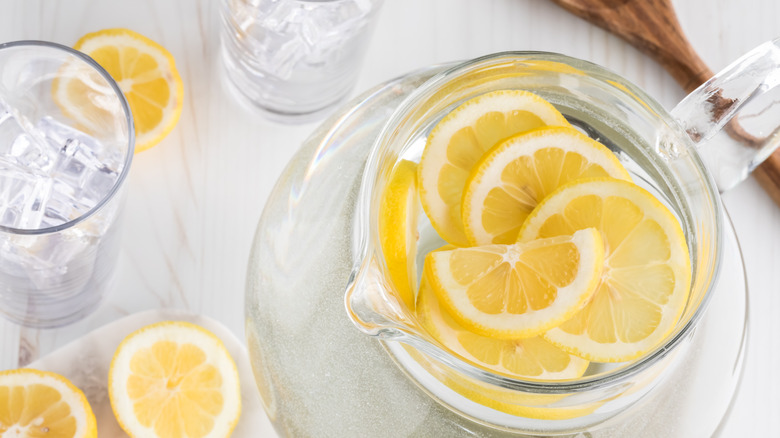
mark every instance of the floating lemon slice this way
{"type": "Point", "coordinates": [398, 213]}
{"type": "Point", "coordinates": [515, 175]}
{"type": "Point", "coordinates": [520, 290]}
{"type": "Point", "coordinates": [174, 379]}
{"type": "Point", "coordinates": [145, 72]}
{"type": "Point", "coordinates": [460, 139]}
{"type": "Point", "coordinates": [510, 401]}
{"type": "Point", "coordinates": [647, 270]}
{"type": "Point", "coordinates": [523, 358]}
{"type": "Point", "coordinates": [42, 404]}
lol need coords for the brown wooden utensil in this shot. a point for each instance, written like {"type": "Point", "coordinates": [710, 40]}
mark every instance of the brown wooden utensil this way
{"type": "Point", "coordinates": [652, 27]}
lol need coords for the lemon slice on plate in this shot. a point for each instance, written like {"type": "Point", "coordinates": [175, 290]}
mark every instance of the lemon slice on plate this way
{"type": "Point", "coordinates": [515, 175]}
{"type": "Point", "coordinates": [398, 213]}
{"type": "Point", "coordinates": [460, 139]}
{"type": "Point", "coordinates": [174, 379]}
{"type": "Point", "coordinates": [145, 72]}
{"type": "Point", "coordinates": [647, 270]}
{"type": "Point", "coordinates": [523, 358]}
{"type": "Point", "coordinates": [42, 404]}
{"type": "Point", "coordinates": [520, 290]}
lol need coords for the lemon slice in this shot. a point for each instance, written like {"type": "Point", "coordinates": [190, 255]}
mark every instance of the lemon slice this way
{"type": "Point", "coordinates": [42, 404]}
{"type": "Point", "coordinates": [511, 179]}
{"type": "Point", "coordinates": [647, 269]}
{"type": "Point", "coordinates": [398, 213]}
{"type": "Point", "coordinates": [461, 138]}
{"type": "Point", "coordinates": [174, 379]}
{"type": "Point", "coordinates": [522, 358]}
{"type": "Point", "coordinates": [145, 72]}
{"type": "Point", "coordinates": [520, 290]}
{"type": "Point", "coordinates": [510, 401]}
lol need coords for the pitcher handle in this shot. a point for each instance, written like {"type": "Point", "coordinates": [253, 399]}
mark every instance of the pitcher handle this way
{"type": "Point", "coordinates": [733, 115]}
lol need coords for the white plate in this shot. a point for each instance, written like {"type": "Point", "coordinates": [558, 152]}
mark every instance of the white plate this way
{"type": "Point", "coordinates": [85, 362]}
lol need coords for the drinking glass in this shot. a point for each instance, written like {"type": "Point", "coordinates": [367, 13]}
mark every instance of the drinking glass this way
{"type": "Point", "coordinates": [295, 59]}
{"type": "Point", "coordinates": [66, 143]}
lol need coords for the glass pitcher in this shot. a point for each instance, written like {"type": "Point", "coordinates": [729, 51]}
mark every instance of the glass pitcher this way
{"type": "Point", "coordinates": [319, 376]}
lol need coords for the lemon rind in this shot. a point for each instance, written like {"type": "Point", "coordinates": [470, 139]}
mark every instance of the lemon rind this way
{"type": "Point", "coordinates": [180, 332]}
{"type": "Point", "coordinates": [86, 425]}
{"type": "Point", "coordinates": [570, 299]}
{"type": "Point", "coordinates": [486, 175]}
{"type": "Point", "coordinates": [167, 65]}
{"type": "Point", "coordinates": [429, 313]}
{"type": "Point", "coordinates": [398, 227]}
{"type": "Point", "coordinates": [436, 149]}
{"type": "Point", "coordinates": [583, 346]}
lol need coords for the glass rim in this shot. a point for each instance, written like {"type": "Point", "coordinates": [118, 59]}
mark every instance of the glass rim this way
{"type": "Point", "coordinates": [680, 330]}
{"type": "Point", "coordinates": [130, 137]}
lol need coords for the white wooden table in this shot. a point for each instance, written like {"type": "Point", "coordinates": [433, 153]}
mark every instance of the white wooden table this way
{"type": "Point", "coordinates": [194, 200]}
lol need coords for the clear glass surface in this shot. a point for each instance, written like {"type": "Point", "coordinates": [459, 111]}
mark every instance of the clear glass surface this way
{"type": "Point", "coordinates": [639, 132]}
{"type": "Point", "coordinates": [295, 59]}
{"type": "Point", "coordinates": [319, 376]}
{"type": "Point", "coordinates": [66, 143]}
{"type": "Point", "coordinates": [732, 116]}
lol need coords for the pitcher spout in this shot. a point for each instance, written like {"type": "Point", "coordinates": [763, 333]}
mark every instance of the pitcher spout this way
{"type": "Point", "coordinates": [372, 304]}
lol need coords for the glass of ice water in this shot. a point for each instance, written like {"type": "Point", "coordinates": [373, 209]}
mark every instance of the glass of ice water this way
{"type": "Point", "coordinates": [66, 143]}
{"type": "Point", "coordinates": [295, 59]}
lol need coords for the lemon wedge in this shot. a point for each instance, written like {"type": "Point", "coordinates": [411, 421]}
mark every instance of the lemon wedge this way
{"type": "Point", "coordinates": [145, 72]}
{"type": "Point", "coordinates": [398, 213]}
{"type": "Point", "coordinates": [42, 404]}
{"type": "Point", "coordinates": [460, 139]}
{"type": "Point", "coordinates": [515, 175]}
{"type": "Point", "coordinates": [519, 290]}
{"type": "Point", "coordinates": [174, 379]}
{"type": "Point", "coordinates": [647, 270]}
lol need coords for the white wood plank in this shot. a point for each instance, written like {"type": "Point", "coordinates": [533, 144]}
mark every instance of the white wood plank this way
{"type": "Point", "coordinates": [194, 200]}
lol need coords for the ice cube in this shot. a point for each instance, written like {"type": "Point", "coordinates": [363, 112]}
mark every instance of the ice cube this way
{"type": "Point", "coordinates": [328, 25]}
{"type": "Point", "coordinates": [29, 154]}
{"type": "Point", "coordinates": [20, 110]}
{"type": "Point", "coordinates": [68, 141]}
{"type": "Point", "coordinates": [85, 171]}
{"type": "Point", "coordinates": [52, 173]}
{"type": "Point", "coordinates": [23, 145]}
{"type": "Point", "coordinates": [100, 183]}
{"type": "Point", "coordinates": [280, 15]}
{"type": "Point", "coordinates": [23, 195]}
{"type": "Point", "coordinates": [283, 60]}
{"type": "Point", "coordinates": [67, 203]}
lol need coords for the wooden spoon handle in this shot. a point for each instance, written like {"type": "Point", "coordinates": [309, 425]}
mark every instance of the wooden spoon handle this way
{"type": "Point", "coordinates": [768, 176]}
{"type": "Point", "coordinates": [652, 27]}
